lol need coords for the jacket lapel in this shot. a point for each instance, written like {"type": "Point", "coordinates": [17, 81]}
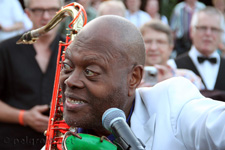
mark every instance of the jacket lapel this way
{"type": "Point", "coordinates": [184, 61]}
{"type": "Point", "coordinates": [142, 123]}
{"type": "Point", "coordinates": [220, 77]}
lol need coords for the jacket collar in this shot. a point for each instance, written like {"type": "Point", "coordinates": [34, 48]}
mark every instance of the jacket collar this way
{"type": "Point", "coordinates": [142, 123]}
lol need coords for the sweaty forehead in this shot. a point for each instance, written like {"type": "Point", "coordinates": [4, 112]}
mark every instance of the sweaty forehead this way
{"type": "Point", "coordinates": [84, 55]}
{"type": "Point", "coordinates": [99, 39]}
{"type": "Point", "coordinates": [101, 32]}
{"type": "Point", "coordinates": [92, 49]}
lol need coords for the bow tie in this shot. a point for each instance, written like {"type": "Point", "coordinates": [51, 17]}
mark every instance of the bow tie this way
{"type": "Point", "coordinates": [202, 59]}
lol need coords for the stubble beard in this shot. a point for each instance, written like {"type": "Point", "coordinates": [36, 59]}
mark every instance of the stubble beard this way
{"type": "Point", "coordinates": [93, 120]}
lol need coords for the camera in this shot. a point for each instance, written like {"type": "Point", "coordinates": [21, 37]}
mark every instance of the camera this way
{"type": "Point", "coordinates": [150, 75]}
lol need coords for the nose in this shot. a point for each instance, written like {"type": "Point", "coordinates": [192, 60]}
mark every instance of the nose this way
{"type": "Point", "coordinates": [153, 45]}
{"type": "Point", "coordinates": [46, 15]}
{"type": "Point", "coordinates": [208, 31]}
{"type": "Point", "coordinates": [73, 81]}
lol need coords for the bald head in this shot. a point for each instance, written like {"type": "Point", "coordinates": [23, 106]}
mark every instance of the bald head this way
{"type": "Point", "coordinates": [117, 35]}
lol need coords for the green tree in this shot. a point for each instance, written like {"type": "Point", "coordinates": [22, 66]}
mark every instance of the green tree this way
{"type": "Point", "coordinates": [166, 7]}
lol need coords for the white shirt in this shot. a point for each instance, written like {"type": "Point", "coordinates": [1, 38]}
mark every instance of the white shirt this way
{"type": "Point", "coordinates": [207, 70]}
{"type": "Point", "coordinates": [11, 12]}
{"type": "Point", "coordinates": [138, 18]}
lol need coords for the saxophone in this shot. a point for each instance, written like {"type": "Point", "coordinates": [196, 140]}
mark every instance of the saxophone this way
{"type": "Point", "coordinates": [59, 136]}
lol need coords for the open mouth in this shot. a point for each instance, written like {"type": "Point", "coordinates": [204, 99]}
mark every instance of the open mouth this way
{"type": "Point", "coordinates": [74, 104]}
{"type": "Point", "coordinates": [72, 101]}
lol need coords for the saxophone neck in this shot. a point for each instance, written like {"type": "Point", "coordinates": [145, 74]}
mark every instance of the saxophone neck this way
{"type": "Point", "coordinates": [74, 10]}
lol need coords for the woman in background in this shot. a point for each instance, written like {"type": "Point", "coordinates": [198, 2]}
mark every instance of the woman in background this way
{"type": "Point", "coordinates": [152, 8]}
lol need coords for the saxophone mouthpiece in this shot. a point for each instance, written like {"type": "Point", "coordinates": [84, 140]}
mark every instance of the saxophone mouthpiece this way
{"type": "Point", "coordinates": [27, 39]}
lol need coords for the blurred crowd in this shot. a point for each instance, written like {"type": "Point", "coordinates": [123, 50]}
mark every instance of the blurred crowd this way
{"type": "Point", "coordinates": [137, 11]}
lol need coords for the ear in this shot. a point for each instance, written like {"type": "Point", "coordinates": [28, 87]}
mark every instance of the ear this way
{"type": "Point", "coordinates": [134, 79]}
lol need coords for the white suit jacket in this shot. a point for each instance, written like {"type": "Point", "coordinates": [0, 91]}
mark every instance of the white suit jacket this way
{"type": "Point", "coordinates": [173, 115]}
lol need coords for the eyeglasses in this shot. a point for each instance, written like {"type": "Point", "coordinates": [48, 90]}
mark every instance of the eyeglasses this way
{"type": "Point", "coordinates": [40, 11]}
{"type": "Point", "coordinates": [203, 29]}
{"type": "Point", "coordinates": [159, 43]}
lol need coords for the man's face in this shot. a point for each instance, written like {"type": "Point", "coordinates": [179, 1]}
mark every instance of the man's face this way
{"type": "Point", "coordinates": [92, 81]}
{"type": "Point", "coordinates": [41, 12]}
{"type": "Point", "coordinates": [206, 35]}
{"type": "Point", "coordinates": [157, 47]}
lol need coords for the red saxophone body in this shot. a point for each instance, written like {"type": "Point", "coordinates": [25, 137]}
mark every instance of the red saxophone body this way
{"type": "Point", "coordinates": [57, 126]}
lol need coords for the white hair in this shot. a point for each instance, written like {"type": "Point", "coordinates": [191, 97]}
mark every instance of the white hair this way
{"type": "Point", "coordinates": [210, 11]}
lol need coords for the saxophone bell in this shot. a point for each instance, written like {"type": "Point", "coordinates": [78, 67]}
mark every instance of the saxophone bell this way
{"type": "Point", "coordinates": [27, 38]}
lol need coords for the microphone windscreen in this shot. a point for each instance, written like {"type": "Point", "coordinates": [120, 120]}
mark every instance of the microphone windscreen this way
{"type": "Point", "coordinates": [110, 116]}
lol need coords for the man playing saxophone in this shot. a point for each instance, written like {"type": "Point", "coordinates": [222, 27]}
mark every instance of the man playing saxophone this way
{"type": "Point", "coordinates": [27, 76]}
{"type": "Point", "coordinates": [102, 69]}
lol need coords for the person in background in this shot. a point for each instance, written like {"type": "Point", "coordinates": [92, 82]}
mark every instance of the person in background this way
{"type": "Point", "coordinates": [102, 69]}
{"type": "Point", "coordinates": [27, 74]}
{"type": "Point", "coordinates": [134, 14]}
{"type": "Point", "coordinates": [220, 5]}
{"type": "Point", "coordinates": [152, 8]}
{"type": "Point", "coordinates": [112, 7]}
{"type": "Point", "coordinates": [203, 58]}
{"type": "Point", "coordinates": [91, 11]}
{"type": "Point", "coordinates": [180, 23]}
{"type": "Point", "coordinates": [159, 45]}
{"type": "Point", "coordinates": [13, 21]}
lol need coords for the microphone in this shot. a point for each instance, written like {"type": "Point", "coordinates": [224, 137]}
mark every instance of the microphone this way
{"type": "Point", "coordinates": [113, 120]}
